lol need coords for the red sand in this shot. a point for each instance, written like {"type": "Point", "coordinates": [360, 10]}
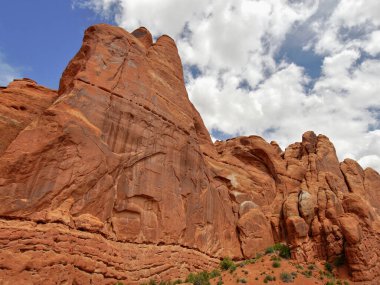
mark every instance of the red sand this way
{"type": "Point", "coordinates": [255, 273]}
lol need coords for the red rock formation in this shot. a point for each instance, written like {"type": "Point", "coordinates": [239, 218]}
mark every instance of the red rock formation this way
{"type": "Point", "coordinates": [118, 155]}
{"type": "Point", "coordinates": [20, 103]}
{"type": "Point", "coordinates": [321, 208]}
{"type": "Point", "coordinates": [118, 179]}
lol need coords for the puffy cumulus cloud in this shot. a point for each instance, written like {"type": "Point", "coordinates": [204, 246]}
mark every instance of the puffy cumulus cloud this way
{"type": "Point", "coordinates": [7, 72]}
{"type": "Point", "coordinates": [241, 79]}
{"type": "Point", "coordinates": [352, 24]}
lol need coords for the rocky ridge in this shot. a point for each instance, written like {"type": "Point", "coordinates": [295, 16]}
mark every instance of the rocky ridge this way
{"type": "Point", "coordinates": [114, 178]}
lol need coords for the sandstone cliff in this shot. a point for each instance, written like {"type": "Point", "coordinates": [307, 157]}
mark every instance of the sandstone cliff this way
{"type": "Point", "coordinates": [114, 177]}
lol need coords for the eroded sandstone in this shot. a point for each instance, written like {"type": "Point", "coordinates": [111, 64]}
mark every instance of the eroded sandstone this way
{"type": "Point", "coordinates": [115, 178]}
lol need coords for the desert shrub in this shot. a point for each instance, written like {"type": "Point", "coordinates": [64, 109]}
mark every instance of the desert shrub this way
{"type": "Point", "coordinates": [220, 282]}
{"type": "Point", "coordinates": [214, 273]}
{"type": "Point", "coordinates": [307, 273]}
{"type": "Point", "coordinates": [286, 277]}
{"type": "Point", "coordinates": [178, 281]}
{"type": "Point", "coordinates": [232, 268]}
{"type": "Point", "coordinates": [276, 264]}
{"type": "Point", "coordinates": [329, 275]}
{"type": "Point", "coordinates": [226, 263]}
{"type": "Point", "coordinates": [299, 267]}
{"type": "Point", "coordinates": [269, 278]}
{"type": "Point", "coordinates": [247, 261]}
{"type": "Point", "coordinates": [269, 250]}
{"type": "Point", "coordinates": [283, 250]}
{"type": "Point", "coordinates": [346, 283]}
{"type": "Point", "coordinates": [328, 267]}
{"type": "Point", "coordinates": [152, 282]}
{"type": "Point", "coordinates": [311, 266]}
{"type": "Point", "coordinates": [242, 280]}
{"type": "Point", "coordinates": [330, 283]}
{"type": "Point", "coordinates": [201, 278]}
{"type": "Point", "coordinates": [119, 283]}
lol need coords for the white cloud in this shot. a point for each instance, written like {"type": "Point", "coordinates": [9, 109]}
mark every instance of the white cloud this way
{"type": "Point", "coordinates": [244, 88]}
{"type": "Point", "coordinates": [372, 45]}
{"type": "Point", "coordinates": [104, 7]}
{"type": "Point", "coordinates": [370, 161]}
{"type": "Point", "coordinates": [7, 72]}
{"type": "Point", "coordinates": [349, 26]}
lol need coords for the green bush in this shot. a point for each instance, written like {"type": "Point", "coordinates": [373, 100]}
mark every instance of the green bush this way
{"type": "Point", "coordinates": [226, 263]}
{"type": "Point", "coordinates": [214, 273]}
{"type": "Point", "coordinates": [269, 278]}
{"type": "Point", "coordinates": [307, 273]}
{"type": "Point", "coordinates": [299, 267]}
{"type": "Point", "coordinates": [311, 266]}
{"type": "Point", "coordinates": [201, 278]}
{"type": "Point", "coordinates": [286, 277]}
{"type": "Point", "coordinates": [328, 267]}
{"type": "Point", "coordinates": [276, 264]}
{"type": "Point", "coordinates": [283, 250]}
{"type": "Point", "coordinates": [330, 283]}
{"type": "Point", "coordinates": [232, 268]}
{"type": "Point", "coordinates": [269, 250]}
{"type": "Point", "coordinates": [247, 261]}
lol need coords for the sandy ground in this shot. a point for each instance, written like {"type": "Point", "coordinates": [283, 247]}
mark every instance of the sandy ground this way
{"type": "Point", "coordinates": [255, 273]}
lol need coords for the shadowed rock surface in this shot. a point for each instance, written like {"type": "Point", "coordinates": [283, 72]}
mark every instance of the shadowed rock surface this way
{"type": "Point", "coordinates": [116, 179]}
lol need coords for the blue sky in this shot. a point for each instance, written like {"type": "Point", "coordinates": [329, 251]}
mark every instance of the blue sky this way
{"type": "Point", "coordinates": [39, 37]}
{"type": "Point", "coordinates": [274, 68]}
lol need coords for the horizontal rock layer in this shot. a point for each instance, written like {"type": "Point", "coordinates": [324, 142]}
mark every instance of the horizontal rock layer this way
{"type": "Point", "coordinates": [114, 177]}
{"type": "Point", "coordinates": [34, 253]}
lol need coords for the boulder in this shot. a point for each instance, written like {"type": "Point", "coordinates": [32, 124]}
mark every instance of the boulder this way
{"type": "Point", "coordinates": [255, 233]}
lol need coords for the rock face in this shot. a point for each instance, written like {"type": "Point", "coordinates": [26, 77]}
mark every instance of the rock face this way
{"type": "Point", "coordinates": [115, 178]}
{"type": "Point", "coordinates": [20, 103]}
